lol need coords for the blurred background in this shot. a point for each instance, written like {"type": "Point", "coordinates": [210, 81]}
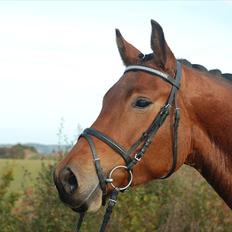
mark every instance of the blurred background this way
{"type": "Point", "coordinates": [52, 53]}
{"type": "Point", "coordinates": [57, 60]}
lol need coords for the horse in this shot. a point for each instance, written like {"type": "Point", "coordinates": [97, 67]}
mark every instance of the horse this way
{"type": "Point", "coordinates": [162, 113]}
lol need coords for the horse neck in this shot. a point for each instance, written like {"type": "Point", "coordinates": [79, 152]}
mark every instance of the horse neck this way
{"type": "Point", "coordinates": [208, 102]}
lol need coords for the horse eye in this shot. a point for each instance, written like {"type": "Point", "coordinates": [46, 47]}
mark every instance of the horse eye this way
{"type": "Point", "coordinates": [142, 103]}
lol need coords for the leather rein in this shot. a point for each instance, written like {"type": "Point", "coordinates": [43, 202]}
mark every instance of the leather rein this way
{"type": "Point", "coordinates": [144, 141]}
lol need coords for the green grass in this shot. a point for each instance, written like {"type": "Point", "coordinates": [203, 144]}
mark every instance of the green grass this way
{"type": "Point", "coordinates": [24, 171]}
{"type": "Point", "coordinates": [183, 202]}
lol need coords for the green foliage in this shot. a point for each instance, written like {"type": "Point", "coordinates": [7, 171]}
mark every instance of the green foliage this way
{"type": "Point", "coordinates": [7, 202]}
{"type": "Point", "coordinates": [45, 212]}
{"type": "Point", "coordinates": [184, 202]}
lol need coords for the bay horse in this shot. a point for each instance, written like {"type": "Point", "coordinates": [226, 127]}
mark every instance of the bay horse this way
{"type": "Point", "coordinates": [161, 114]}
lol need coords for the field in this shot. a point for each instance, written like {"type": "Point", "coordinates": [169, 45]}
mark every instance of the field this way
{"type": "Point", "coordinates": [22, 168]}
{"type": "Point", "coordinates": [183, 202]}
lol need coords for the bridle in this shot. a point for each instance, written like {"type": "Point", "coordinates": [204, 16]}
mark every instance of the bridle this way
{"type": "Point", "coordinates": [145, 140]}
{"type": "Point", "coordinates": [132, 156]}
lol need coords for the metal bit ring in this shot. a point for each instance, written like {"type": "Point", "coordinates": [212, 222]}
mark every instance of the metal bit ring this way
{"type": "Point", "coordinates": [130, 178]}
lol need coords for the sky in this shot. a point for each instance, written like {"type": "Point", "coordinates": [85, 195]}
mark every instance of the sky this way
{"type": "Point", "coordinates": [58, 58]}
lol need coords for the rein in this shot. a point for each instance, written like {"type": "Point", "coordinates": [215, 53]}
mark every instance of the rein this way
{"type": "Point", "coordinates": [144, 141]}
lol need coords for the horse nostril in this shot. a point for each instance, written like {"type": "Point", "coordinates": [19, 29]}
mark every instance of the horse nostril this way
{"type": "Point", "coordinates": [72, 180]}
{"type": "Point", "coordinates": [68, 180]}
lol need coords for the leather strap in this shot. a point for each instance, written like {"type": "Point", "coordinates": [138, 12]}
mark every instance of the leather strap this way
{"type": "Point", "coordinates": [153, 72]}
{"type": "Point", "coordinates": [110, 142]}
{"type": "Point", "coordinates": [112, 202]}
{"type": "Point", "coordinates": [96, 160]}
{"type": "Point", "coordinates": [80, 221]}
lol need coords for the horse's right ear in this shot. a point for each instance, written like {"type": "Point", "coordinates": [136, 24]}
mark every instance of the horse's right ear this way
{"type": "Point", "coordinates": [163, 54]}
{"type": "Point", "coordinates": [129, 54]}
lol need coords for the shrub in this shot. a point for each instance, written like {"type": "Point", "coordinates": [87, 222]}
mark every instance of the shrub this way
{"type": "Point", "coordinates": [7, 202]}
{"type": "Point", "coordinates": [44, 211]}
{"type": "Point", "coordinates": [184, 202]}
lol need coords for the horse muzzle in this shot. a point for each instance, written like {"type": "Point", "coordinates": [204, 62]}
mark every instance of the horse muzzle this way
{"type": "Point", "coordinates": [70, 193]}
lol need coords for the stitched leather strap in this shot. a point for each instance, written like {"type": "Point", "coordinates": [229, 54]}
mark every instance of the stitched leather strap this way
{"type": "Point", "coordinates": [154, 72]}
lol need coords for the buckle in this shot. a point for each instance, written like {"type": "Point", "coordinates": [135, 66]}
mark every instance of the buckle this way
{"type": "Point", "coordinates": [109, 180]}
{"type": "Point", "coordinates": [137, 158]}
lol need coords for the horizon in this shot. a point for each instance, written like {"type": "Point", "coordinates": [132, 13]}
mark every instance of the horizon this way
{"type": "Point", "coordinates": [46, 45]}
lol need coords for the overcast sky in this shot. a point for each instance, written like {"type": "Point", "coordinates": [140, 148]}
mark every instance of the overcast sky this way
{"type": "Point", "coordinates": [58, 58]}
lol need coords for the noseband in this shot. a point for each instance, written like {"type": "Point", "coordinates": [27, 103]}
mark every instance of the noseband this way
{"type": "Point", "coordinates": [132, 156]}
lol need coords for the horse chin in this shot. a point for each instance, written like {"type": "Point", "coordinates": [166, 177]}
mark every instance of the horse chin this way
{"type": "Point", "coordinates": [92, 204]}
{"type": "Point", "coordinates": [96, 201]}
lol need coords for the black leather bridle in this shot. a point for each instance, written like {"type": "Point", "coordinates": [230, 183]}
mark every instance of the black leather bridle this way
{"type": "Point", "coordinates": [129, 156]}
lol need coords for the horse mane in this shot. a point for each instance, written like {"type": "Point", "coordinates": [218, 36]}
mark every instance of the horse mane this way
{"type": "Point", "coordinates": [199, 67]}
{"type": "Point", "coordinates": [214, 72]}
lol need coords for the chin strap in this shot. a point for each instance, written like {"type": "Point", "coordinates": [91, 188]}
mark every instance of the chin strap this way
{"type": "Point", "coordinates": [112, 202]}
{"type": "Point", "coordinates": [109, 209]}
{"type": "Point", "coordinates": [80, 220]}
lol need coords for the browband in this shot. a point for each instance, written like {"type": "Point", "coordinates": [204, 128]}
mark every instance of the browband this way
{"type": "Point", "coordinates": [153, 71]}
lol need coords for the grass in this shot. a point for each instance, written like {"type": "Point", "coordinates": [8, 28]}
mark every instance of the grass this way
{"type": "Point", "coordinates": [24, 171]}
{"type": "Point", "coordinates": [183, 202]}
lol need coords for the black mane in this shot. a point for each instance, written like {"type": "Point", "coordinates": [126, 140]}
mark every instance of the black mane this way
{"type": "Point", "coordinates": [214, 72]}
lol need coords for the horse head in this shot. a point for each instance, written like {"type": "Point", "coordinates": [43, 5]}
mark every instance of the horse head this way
{"type": "Point", "coordinates": [99, 160]}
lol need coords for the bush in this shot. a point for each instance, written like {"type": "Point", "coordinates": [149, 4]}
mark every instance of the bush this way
{"type": "Point", "coordinates": [184, 202]}
{"type": "Point", "coordinates": [7, 202]}
{"type": "Point", "coordinates": [44, 211]}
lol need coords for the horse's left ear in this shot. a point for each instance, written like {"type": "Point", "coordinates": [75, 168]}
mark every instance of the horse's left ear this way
{"type": "Point", "coordinates": [163, 55]}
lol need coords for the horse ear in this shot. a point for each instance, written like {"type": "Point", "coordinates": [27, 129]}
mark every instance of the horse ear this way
{"type": "Point", "coordinates": [163, 55]}
{"type": "Point", "coordinates": [129, 54]}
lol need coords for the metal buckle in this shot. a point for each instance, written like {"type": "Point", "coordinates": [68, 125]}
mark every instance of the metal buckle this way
{"type": "Point", "coordinates": [167, 106]}
{"type": "Point", "coordinates": [136, 157]}
{"type": "Point", "coordinates": [109, 180]}
{"type": "Point", "coordinates": [130, 178]}
{"type": "Point", "coordinates": [113, 201]}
